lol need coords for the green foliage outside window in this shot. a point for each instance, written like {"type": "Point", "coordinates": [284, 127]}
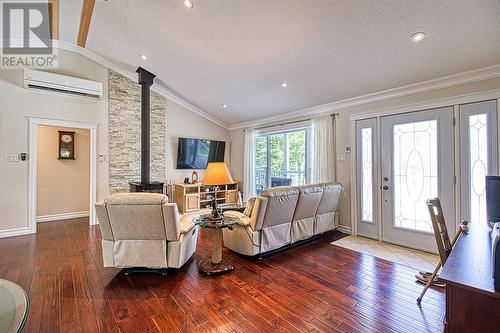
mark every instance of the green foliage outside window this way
{"type": "Point", "coordinates": [296, 151]}
{"type": "Point", "coordinates": [261, 151]}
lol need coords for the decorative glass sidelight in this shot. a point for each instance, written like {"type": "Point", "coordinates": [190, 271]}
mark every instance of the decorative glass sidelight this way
{"type": "Point", "coordinates": [478, 165]}
{"type": "Point", "coordinates": [415, 165]}
{"type": "Point", "coordinates": [366, 175]}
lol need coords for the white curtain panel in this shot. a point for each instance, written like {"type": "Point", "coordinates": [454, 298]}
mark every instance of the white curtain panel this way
{"type": "Point", "coordinates": [324, 149]}
{"type": "Point", "coordinates": [249, 165]}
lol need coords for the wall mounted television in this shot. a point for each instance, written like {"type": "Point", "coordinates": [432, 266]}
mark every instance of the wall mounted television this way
{"type": "Point", "coordinates": [197, 153]}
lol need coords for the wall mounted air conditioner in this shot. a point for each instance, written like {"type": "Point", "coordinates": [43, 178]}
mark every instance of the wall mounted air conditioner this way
{"type": "Point", "coordinates": [39, 80]}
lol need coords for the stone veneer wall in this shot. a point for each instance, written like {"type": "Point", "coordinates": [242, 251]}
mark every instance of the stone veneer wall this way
{"type": "Point", "coordinates": [125, 133]}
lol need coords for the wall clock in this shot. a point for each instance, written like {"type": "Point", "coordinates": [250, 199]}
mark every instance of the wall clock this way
{"type": "Point", "coordinates": [66, 146]}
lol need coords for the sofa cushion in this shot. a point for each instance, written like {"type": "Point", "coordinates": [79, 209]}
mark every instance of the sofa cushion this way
{"type": "Point", "coordinates": [134, 198]}
{"type": "Point", "coordinates": [309, 198]}
{"type": "Point", "coordinates": [280, 206]}
{"type": "Point", "coordinates": [137, 222]}
{"type": "Point", "coordinates": [332, 193]}
{"type": "Point", "coordinates": [281, 191]}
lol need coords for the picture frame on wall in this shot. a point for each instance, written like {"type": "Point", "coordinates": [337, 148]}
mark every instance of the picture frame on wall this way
{"type": "Point", "coordinates": [66, 147]}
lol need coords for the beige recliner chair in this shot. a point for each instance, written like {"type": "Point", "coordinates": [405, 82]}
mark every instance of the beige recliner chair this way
{"type": "Point", "coordinates": [144, 230]}
{"type": "Point", "coordinates": [282, 216]}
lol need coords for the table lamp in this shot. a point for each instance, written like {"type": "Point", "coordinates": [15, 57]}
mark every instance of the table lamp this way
{"type": "Point", "coordinates": [216, 174]}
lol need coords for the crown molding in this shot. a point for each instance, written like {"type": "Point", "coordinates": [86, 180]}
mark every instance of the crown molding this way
{"type": "Point", "coordinates": [160, 89]}
{"type": "Point", "coordinates": [476, 75]}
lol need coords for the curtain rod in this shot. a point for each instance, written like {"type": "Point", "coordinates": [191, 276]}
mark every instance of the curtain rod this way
{"type": "Point", "coordinates": [290, 122]}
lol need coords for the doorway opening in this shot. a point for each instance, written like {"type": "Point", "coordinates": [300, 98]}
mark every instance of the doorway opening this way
{"type": "Point", "coordinates": [62, 171]}
{"type": "Point", "coordinates": [63, 179]}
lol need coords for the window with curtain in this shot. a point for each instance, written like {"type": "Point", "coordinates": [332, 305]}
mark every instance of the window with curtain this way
{"type": "Point", "coordinates": [282, 159]}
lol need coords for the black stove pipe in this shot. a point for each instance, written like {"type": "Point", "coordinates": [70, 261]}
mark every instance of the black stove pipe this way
{"type": "Point", "coordinates": [146, 81]}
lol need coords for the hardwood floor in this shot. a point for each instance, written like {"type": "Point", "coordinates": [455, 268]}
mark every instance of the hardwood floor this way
{"type": "Point", "coordinates": [316, 287]}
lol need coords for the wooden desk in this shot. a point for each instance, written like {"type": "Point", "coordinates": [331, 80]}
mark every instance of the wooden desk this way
{"type": "Point", "coordinates": [472, 305]}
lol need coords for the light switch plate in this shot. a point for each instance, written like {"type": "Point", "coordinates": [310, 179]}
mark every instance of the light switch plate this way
{"type": "Point", "coordinates": [11, 158]}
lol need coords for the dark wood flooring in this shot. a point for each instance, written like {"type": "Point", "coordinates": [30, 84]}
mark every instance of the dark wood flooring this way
{"type": "Point", "coordinates": [317, 287]}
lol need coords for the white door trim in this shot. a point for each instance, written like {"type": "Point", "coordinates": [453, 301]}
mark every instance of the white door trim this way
{"type": "Point", "coordinates": [430, 104]}
{"type": "Point", "coordinates": [33, 159]}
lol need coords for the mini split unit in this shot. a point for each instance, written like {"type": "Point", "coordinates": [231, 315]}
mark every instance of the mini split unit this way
{"type": "Point", "coordinates": [46, 81]}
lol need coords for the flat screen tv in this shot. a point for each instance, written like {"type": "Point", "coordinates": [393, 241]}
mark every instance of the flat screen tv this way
{"type": "Point", "coordinates": [493, 199]}
{"type": "Point", "coordinates": [197, 153]}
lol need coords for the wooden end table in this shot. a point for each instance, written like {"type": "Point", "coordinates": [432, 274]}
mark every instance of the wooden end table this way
{"type": "Point", "coordinates": [216, 264]}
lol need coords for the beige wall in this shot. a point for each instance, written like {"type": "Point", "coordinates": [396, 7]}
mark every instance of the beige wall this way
{"type": "Point", "coordinates": [184, 123]}
{"type": "Point", "coordinates": [63, 185]}
{"type": "Point", "coordinates": [343, 135]}
{"type": "Point", "coordinates": [17, 104]}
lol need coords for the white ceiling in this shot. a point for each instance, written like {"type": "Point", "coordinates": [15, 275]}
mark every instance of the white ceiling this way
{"type": "Point", "coordinates": [238, 52]}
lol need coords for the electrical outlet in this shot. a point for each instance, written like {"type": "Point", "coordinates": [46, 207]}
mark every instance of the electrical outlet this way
{"type": "Point", "coordinates": [11, 158]}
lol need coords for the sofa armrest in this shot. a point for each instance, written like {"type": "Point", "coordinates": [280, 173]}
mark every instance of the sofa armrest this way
{"type": "Point", "coordinates": [102, 216]}
{"type": "Point", "coordinates": [242, 218]}
{"type": "Point", "coordinates": [249, 208]}
{"type": "Point", "coordinates": [186, 224]}
{"type": "Point", "coordinates": [172, 221]}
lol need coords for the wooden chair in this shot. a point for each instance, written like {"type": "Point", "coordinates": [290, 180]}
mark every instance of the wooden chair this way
{"type": "Point", "coordinates": [443, 242]}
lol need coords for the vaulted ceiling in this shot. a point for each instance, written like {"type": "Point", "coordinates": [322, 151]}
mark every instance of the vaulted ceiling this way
{"type": "Point", "coordinates": [239, 52]}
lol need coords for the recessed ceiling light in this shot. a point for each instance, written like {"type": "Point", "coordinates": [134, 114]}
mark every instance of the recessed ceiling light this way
{"type": "Point", "coordinates": [188, 4]}
{"type": "Point", "coordinates": [284, 84]}
{"type": "Point", "coordinates": [143, 57]}
{"type": "Point", "coordinates": [417, 36]}
{"type": "Point", "coordinates": [223, 106]}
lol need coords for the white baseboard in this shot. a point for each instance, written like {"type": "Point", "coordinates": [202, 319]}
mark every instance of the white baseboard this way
{"type": "Point", "coordinates": [15, 232]}
{"type": "Point", "coordinates": [62, 216]}
{"type": "Point", "coordinates": [344, 229]}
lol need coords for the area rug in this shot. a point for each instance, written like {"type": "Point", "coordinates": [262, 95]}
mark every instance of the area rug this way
{"type": "Point", "coordinates": [419, 260]}
{"type": "Point", "coordinates": [14, 306]}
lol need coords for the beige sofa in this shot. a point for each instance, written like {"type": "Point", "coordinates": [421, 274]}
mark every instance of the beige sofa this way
{"type": "Point", "coordinates": [144, 230]}
{"type": "Point", "coordinates": [282, 216]}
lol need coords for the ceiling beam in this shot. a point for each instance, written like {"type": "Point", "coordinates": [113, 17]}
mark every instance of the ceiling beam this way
{"type": "Point", "coordinates": [87, 10]}
{"type": "Point", "coordinates": [54, 19]}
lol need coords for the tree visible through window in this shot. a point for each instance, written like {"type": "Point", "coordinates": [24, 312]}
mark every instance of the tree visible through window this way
{"type": "Point", "coordinates": [281, 159]}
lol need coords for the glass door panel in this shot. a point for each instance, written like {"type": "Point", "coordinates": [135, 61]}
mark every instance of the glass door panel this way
{"type": "Point", "coordinates": [415, 173]}
{"type": "Point", "coordinates": [261, 163]}
{"type": "Point", "coordinates": [479, 156]}
{"type": "Point", "coordinates": [281, 159]}
{"type": "Point", "coordinates": [367, 178]}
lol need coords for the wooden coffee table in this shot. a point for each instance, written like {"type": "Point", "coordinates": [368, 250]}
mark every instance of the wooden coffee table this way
{"type": "Point", "coordinates": [216, 264]}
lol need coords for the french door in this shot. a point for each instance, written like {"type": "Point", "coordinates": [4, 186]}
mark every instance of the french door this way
{"type": "Point", "coordinates": [417, 164]}
{"type": "Point", "coordinates": [416, 153]}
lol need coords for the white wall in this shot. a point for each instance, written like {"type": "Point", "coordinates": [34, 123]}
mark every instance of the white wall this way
{"type": "Point", "coordinates": [17, 104]}
{"type": "Point", "coordinates": [184, 123]}
{"type": "Point", "coordinates": [343, 135]}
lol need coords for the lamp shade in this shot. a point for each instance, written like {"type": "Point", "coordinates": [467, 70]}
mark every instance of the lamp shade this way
{"type": "Point", "coordinates": [217, 173]}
